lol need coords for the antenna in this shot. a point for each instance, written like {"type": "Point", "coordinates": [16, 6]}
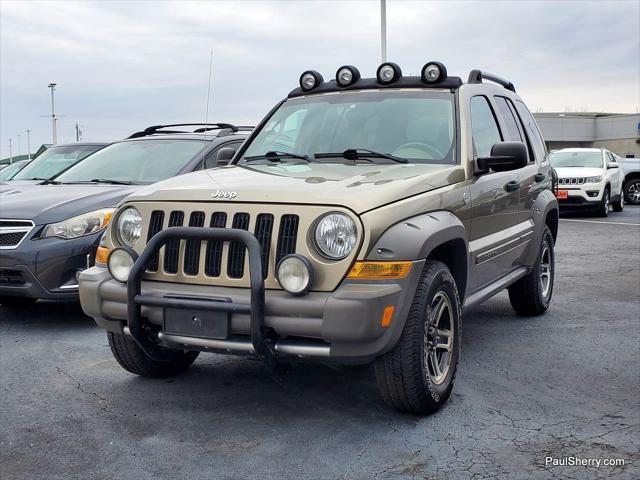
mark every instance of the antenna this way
{"type": "Point", "coordinates": [206, 110]}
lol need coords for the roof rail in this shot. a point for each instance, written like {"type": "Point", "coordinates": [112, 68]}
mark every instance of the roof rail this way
{"type": "Point", "coordinates": [203, 127]}
{"type": "Point", "coordinates": [476, 76]}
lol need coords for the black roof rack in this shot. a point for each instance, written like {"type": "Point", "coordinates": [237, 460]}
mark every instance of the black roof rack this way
{"type": "Point", "coordinates": [476, 76]}
{"type": "Point", "coordinates": [202, 128]}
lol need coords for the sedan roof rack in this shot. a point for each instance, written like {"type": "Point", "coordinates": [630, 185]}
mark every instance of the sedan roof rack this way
{"type": "Point", "coordinates": [202, 128]}
{"type": "Point", "coordinates": [476, 76]}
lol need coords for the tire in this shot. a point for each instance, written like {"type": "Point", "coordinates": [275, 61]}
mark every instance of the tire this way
{"type": "Point", "coordinates": [531, 296]}
{"type": "Point", "coordinates": [405, 375]}
{"type": "Point", "coordinates": [603, 208]}
{"type": "Point", "coordinates": [16, 302]}
{"type": "Point", "coordinates": [618, 205]}
{"type": "Point", "coordinates": [632, 191]}
{"type": "Point", "coordinates": [131, 357]}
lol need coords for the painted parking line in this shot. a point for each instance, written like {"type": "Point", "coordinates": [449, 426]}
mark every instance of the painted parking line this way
{"type": "Point", "coordinates": [596, 221]}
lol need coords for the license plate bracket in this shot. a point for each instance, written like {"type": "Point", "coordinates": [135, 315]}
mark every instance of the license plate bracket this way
{"type": "Point", "coordinates": [562, 194]}
{"type": "Point", "coordinates": [195, 322]}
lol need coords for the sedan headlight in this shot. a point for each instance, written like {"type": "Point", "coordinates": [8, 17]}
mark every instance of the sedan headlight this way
{"type": "Point", "coordinates": [79, 226]}
{"type": "Point", "coordinates": [336, 236]}
{"type": "Point", "coordinates": [129, 226]}
{"type": "Point", "coordinates": [597, 179]}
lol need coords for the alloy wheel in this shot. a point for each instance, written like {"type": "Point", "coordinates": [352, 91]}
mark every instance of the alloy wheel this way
{"type": "Point", "coordinates": [546, 270]}
{"type": "Point", "coordinates": [438, 338]}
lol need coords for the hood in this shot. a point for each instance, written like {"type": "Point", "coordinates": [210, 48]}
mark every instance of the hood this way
{"type": "Point", "coordinates": [54, 203]}
{"type": "Point", "coordinates": [359, 187]}
{"type": "Point", "coordinates": [569, 172]}
{"type": "Point", "coordinates": [6, 185]}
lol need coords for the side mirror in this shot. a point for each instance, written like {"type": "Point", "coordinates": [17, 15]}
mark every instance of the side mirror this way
{"type": "Point", "coordinates": [504, 156]}
{"type": "Point", "coordinates": [612, 165]}
{"type": "Point", "coordinates": [224, 156]}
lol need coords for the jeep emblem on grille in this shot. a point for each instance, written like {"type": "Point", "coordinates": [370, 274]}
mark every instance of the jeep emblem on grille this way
{"type": "Point", "coordinates": [223, 194]}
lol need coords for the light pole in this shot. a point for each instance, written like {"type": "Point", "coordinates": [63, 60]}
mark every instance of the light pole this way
{"type": "Point", "coordinates": [19, 146]}
{"type": "Point", "coordinates": [383, 30]}
{"type": "Point", "coordinates": [10, 153]}
{"type": "Point", "coordinates": [52, 86]}
{"type": "Point", "coordinates": [29, 143]}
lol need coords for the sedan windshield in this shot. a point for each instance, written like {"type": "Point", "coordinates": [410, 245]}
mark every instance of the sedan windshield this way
{"type": "Point", "coordinates": [137, 161]}
{"type": "Point", "coordinates": [54, 160]}
{"type": "Point", "coordinates": [577, 159]}
{"type": "Point", "coordinates": [9, 171]}
{"type": "Point", "coordinates": [416, 126]}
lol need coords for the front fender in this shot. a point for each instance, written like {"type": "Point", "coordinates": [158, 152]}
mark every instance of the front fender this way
{"type": "Point", "coordinates": [415, 238]}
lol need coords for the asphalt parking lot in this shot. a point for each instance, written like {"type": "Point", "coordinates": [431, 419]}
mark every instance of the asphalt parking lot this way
{"type": "Point", "coordinates": [563, 385]}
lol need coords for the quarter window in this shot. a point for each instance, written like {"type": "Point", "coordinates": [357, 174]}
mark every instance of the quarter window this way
{"type": "Point", "coordinates": [484, 129]}
{"type": "Point", "coordinates": [532, 131]}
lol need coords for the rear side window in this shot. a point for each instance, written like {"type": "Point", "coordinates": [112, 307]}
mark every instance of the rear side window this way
{"type": "Point", "coordinates": [532, 131]}
{"type": "Point", "coordinates": [484, 129]}
{"type": "Point", "coordinates": [513, 132]}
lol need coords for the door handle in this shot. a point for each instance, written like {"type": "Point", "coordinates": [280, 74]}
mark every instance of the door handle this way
{"type": "Point", "coordinates": [539, 177]}
{"type": "Point", "coordinates": [512, 186]}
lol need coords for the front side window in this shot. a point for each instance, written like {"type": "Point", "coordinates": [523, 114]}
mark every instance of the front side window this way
{"type": "Point", "coordinates": [589, 159]}
{"type": "Point", "coordinates": [484, 129]}
{"type": "Point", "coordinates": [513, 132]}
{"type": "Point", "coordinates": [418, 126]}
{"type": "Point", "coordinates": [137, 161]}
{"type": "Point", "coordinates": [54, 160]}
{"type": "Point", "coordinates": [532, 130]}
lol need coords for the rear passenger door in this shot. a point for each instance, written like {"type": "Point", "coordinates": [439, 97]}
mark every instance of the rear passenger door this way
{"type": "Point", "coordinates": [536, 176]}
{"type": "Point", "coordinates": [494, 204]}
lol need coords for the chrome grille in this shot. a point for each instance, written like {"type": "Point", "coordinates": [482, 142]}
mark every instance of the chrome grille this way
{"type": "Point", "coordinates": [571, 181]}
{"type": "Point", "coordinates": [12, 232]}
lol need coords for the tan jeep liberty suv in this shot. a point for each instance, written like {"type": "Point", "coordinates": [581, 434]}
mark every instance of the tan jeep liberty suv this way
{"type": "Point", "coordinates": [355, 224]}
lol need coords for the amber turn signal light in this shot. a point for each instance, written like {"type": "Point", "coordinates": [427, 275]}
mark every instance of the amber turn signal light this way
{"type": "Point", "coordinates": [379, 270]}
{"type": "Point", "coordinates": [387, 315]}
{"type": "Point", "coordinates": [102, 255]}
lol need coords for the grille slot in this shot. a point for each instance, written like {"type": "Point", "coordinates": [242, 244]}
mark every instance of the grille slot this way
{"type": "Point", "coordinates": [263, 231]}
{"type": "Point", "coordinates": [11, 277]}
{"type": "Point", "coordinates": [192, 247]}
{"type": "Point", "coordinates": [235, 263]}
{"type": "Point", "coordinates": [155, 226]}
{"type": "Point", "coordinates": [287, 236]}
{"type": "Point", "coordinates": [11, 239]}
{"type": "Point", "coordinates": [213, 259]}
{"type": "Point", "coordinates": [172, 248]}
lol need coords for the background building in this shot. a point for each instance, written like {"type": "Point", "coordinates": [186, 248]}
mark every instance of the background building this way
{"type": "Point", "coordinates": [619, 133]}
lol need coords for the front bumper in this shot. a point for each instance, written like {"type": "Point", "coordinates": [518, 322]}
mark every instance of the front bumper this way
{"type": "Point", "coordinates": [588, 195]}
{"type": "Point", "coordinates": [342, 325]}
{"type": "Point", "coordinates": [46, 268]}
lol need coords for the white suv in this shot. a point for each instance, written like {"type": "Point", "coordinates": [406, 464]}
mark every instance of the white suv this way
{"type": "Point", "coordinates": [588, 178]}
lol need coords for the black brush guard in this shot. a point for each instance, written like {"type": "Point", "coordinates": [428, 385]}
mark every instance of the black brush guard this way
{"type": "Point", "coordinates": [142, 331]}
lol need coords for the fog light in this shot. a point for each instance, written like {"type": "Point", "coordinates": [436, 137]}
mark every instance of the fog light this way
{"type": "Point", "coordinates": [294, 274]}
{"type": "Point", "coordinates": [388, 73]}
{"type": "Point", "coordinates": [347, 75]}
{"type": "Point", "coordinates": [310, 80]}
{"type": "Point", "coordinates": [120, 262]}
{"type": "Point", "coordinates": [433, 72]}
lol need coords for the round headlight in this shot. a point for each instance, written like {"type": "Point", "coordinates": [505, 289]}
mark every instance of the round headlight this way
{"type": "Point", "coordinates": [388, 72]}
{"type": "Point", "coordinates": [120, 262]}
{"type": "Point", "coordinates": [336, 235]}
{"type": "Point", "coordinates": [433, 72]}
{"type": "Point", "coordinates": [347, 75]}
{"type": "Point", "coordinates": [310, 80]}
{"type": "Point", "coordinates": [294, 274]}
{"type": "Point", "coordinates": [129, 226]}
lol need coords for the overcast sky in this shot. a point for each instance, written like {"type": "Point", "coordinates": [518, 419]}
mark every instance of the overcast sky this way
{"type": "Point", "coordinates": [122, 66]}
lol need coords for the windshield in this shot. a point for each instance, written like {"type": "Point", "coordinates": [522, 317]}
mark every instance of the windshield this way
{"type": "Point", "coordinates": [577, 159]}
{"type": "Point", "coordinates": [8, 172]}
{"type": "Point", "coordinates": [54, 160]}
{"type": "Point", "coordinates": [418, 126]}
{"type": "Point", "coordinates": [138, 161]}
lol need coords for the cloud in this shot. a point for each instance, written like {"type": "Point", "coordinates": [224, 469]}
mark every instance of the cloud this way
{"type": "Point", "coordinates": [121, 66]}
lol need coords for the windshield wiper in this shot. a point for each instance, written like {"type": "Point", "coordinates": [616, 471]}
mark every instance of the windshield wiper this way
{"type": "Point", "coordinates": [102, 180]}
{"type": "Point", "coordinates": [276, 156]}
{"type": "Point", "coordinates": [361, 154]}
{"type": "Point", "coordinates": [47, 181]}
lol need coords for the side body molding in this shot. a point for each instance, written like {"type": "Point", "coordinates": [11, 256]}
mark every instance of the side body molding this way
{"type": "Point", "coordinates": [414, 238]}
